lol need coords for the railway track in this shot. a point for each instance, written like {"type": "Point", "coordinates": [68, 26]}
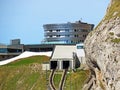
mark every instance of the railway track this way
{"type": "Point", "coordinates": [52, 86]}
{"type": "Point", "coordinates": [61, 85]}
{"type": "Point", "coordinates": [63, 80]}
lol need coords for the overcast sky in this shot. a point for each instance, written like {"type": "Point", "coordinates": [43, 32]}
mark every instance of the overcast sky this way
{"type": "Point", "coordinates": [24, 19]}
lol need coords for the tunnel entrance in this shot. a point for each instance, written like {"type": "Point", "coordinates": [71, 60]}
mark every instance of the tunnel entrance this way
{"type": "Point", "coordinates": [53, 64]}
{"type": "Point", "coordinates": [66, 64]}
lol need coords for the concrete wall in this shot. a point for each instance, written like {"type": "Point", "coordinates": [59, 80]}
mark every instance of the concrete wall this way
{"type": "Point", "coordinates": [82, 60]}
{"type": "Point", "coordinates": [63, 53]}
{"type": "Point", "coordinates": [46, 66]}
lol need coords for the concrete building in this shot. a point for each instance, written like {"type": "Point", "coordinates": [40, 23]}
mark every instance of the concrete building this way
{"type": "Point", "coordinates": [15, 49]}
{"type": "Point", "coordinates": [80, 52]}
{"type": "Point", "coordinates": [66, 33]}
{"type": "Point", "coordinates": [63, 57]}
{"type": "Point", "coordinates": [15, 42]}
{"type": "Point", "coordinates": [39, 47]}
{"type": "Point", "coordinates": [66, 56]}
{"type": "Point", "coordinates": [12, 50]}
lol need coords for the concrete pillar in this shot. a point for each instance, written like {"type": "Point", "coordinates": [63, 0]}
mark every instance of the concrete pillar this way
{"type": "Point", "coordinates": [60, 65]}
{"type": "Point", "coordinates": [71, 64]}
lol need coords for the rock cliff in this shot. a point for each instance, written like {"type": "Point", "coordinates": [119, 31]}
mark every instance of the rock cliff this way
{"type": "Point", "coordinates": [102, 49]}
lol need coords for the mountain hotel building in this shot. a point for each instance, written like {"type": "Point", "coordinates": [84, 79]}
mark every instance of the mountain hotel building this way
{"type": "Point", "coordinates": [66, 33]}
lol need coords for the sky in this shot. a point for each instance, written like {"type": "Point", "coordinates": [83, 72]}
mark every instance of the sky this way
{"type": "Point", "coordinates": [24, 19]}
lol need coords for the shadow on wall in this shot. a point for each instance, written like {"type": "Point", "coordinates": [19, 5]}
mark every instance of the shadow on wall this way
{"type": "Point", "coordinates": [76, 60]}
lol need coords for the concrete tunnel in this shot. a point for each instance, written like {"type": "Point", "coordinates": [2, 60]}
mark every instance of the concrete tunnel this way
{"type": "Point", "coordinates": [66, 64]}
{"type": "Point", "coordinates": [62, 57]}
{"type": "Point", "coordinates": [56, 64]}
{"type": "Point", "coordinates": [53, 64]}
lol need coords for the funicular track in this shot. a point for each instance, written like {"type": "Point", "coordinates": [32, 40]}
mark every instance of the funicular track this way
{"type": "Point", "coordinates": [63, 80]}
{"type": "Point", "coordinates": [52, 86]}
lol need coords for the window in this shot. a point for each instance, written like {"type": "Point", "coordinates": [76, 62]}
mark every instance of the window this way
{"type": "Point", "coordinates": [71, 41]}
{"type": "Point", "coordinates": [84, 30]}
{"type": "Point", "coordinates": [79, 47]}
{"type": "Point", "coordinates": [3, 56]}
{"type": "Point", "coordinates": [50, 36]}
{"type": "Point", "coordinates": [58, 35]}
{"type": "Point", "coordinates": [66, 30]}
{"type": "Point", "coordinates": [67, 35]}
{"type": "Point", "coordinates": [50, 30]}
{"type": "Point", "coordinates": [58, 30]}
{"type": "Point", "coordinates": [84, 35]}
{"type": "Point", "coordinates": [3, 50]}
{"type": "Point", "coordinates": [14, 50]}
{"type": "Point", "coordinates": [75, 30]}
{"type": "Point", "coordinates": [76, 35]}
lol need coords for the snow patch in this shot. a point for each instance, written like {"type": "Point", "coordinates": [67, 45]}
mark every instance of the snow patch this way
{"type": "Point", "coordinates": [24, 55]}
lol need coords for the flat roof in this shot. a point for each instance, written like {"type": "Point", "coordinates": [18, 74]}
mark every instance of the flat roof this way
{"type": "Point", "coordinates": [63, 52]}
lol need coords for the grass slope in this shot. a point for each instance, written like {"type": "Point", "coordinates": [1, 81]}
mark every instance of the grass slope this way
{"type": "Point", "coordinates": [26, 74]}
{"type": "Point", "coordinates": [74, 80]}
{"type": "Point", "coordinates": [114, 10]}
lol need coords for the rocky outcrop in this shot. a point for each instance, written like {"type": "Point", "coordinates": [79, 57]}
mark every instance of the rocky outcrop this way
{"type": "Point", "coordinates": [102, 49]}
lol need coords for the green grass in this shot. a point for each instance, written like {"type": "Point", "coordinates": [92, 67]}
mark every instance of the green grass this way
{"type": "Point", "coordinates": [31, 60]}
{"type": "Point", "coordinates": [22, 80]}
{"type": "Point", "coordinates": [57, 79]}
{"type": "Point", "coordinates": [75, 81]}
{"type": "Point", "coordinates": [111, 33]}
{"type": "Point", "coordinates": [102, 86]}
{"type": "Point", "coordinates": [114, 8]}
{"type": "Point", "coordinates": [116, 40]}
{"type": "Point", "coordinates": [26, 74]}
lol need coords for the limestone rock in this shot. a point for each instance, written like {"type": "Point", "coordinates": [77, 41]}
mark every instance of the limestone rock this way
{"type": "Point", "coordinates": [102, 49]}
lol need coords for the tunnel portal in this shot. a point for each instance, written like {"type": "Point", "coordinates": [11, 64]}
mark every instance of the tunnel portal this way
{"type": "Point", "coordinates": [61, 64]}
{"type": "Point", "coordinates": [53, 65]}
{"type": "Point", "coordinates": [66, 64]}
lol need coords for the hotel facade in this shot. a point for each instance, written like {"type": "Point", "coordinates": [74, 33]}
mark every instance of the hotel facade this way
{"type": "Point", "coordinates": [66, 33]}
